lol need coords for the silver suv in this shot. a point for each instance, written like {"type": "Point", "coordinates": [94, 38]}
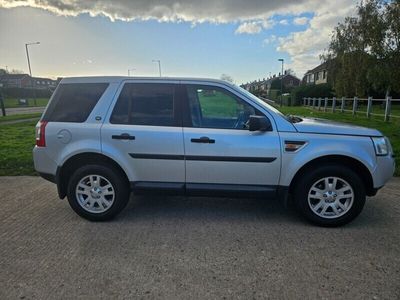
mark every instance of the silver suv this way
{"type": "Point", "coordinates": [102, 137]}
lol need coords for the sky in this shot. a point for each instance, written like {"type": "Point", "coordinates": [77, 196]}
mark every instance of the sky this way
{"type": "Point", "coordinates": [207, 38]}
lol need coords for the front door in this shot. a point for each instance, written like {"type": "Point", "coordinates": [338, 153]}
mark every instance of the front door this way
{"type": "Point", "coordinates": [221, 154]}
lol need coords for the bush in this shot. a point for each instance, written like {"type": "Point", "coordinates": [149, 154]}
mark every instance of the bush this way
{"type": "Point", "coordinates": [317, 90]}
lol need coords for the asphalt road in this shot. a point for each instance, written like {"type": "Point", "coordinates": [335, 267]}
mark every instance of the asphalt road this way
{"type": "Point", "coordinates": [196, 248]}
{"type": "Point", "coordinates": [23, 110]}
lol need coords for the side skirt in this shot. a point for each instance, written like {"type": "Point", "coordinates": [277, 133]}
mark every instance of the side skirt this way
{"type": "Point", "coordinates": [207, 189]}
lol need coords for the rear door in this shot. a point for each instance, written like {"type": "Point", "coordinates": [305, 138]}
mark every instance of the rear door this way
{"type": "Point", "coordinates": [221, 153]}
{"type": "Point", "coordinates": [144, 131]}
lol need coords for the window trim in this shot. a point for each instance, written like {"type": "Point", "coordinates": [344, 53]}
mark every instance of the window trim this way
{"type": "Point", "coordinates": [187, 117]}
{"type": "Point", "coordinates": [177, 107]}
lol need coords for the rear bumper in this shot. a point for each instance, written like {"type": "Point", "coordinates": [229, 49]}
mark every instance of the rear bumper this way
{"type": "Point", "coordinates": [43, 162]}
{"type": "Point", "coordinates": [49, 177]}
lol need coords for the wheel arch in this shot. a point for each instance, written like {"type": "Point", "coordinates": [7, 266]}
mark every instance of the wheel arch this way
{"type": "Point", "coordinates": [65, 171]}
{"type": "Point", "coordinates": [343, 160]}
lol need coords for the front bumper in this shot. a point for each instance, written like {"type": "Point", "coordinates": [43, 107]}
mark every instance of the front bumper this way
{"type": "Point", "coordinates": [385, 166]}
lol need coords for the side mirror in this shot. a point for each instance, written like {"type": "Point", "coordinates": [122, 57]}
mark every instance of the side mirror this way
{"type": "Point", "coordinates": [259, 123]}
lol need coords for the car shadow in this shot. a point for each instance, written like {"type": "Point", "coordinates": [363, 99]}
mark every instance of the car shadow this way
{"type": "Point", "coordinates": [208, 209]}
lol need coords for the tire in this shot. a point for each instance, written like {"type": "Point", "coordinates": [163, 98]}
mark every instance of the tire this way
{"type": "Point", "coordinates": [102, 193]}
{"type": "Point", "coordinates": [314, 193]}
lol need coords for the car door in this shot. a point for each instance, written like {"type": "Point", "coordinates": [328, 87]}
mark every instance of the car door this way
{"type": "Point", "coordinates": [221, 154]}
{"type": "Point", "coordinates": [144, 132]}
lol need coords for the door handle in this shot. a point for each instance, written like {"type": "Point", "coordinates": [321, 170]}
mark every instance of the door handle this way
{"type": "Point", "coordinates": [123, 136]}
{"type": "Point", "coordinates": [203, 139]}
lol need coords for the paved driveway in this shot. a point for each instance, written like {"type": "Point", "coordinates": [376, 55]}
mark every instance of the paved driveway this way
{"type": "Point", "coordinates": [197, 248]}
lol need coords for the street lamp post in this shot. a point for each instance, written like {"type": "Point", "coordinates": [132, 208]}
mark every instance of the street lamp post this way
{"type": "Point", "coordinates": [159, 65]}
{"type": "Point", "coordinates": [29, 66]}
{"type": "Point", "coordinates": [281, 60]}
{"type": "Point", "coordinates": [129, 71]}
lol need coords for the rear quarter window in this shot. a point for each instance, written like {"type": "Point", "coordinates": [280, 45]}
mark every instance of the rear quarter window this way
{"type": "Point", "coordinates": [74, 102]}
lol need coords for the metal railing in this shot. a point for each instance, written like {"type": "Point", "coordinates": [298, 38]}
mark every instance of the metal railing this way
{"type": "Point", "coordinates": [356, 105]}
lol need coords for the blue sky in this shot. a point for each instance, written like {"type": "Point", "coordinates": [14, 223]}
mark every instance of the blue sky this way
{"type": "Point", "coordinates": [90, 40]}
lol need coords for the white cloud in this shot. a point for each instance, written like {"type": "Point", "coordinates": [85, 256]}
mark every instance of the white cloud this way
{"type": "Point", "coordinates": [194, 11]}
{"type": "Point", "coordinates": [249, 28]}
{"type": "Point", "coordinates": [300, 21]}
{"type": "Point", "coordinates": [284, 22]}
{"type": "Point", "coordinates": [304, 47]}
{"type": "Point", "coordinates": [270, 40]}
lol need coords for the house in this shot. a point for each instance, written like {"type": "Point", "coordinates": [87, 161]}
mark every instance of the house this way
{"type": "Point", "coordinates": [26, 81]}
{"type": "Point", "coordinates": [15, 80]}
{"type": "Point", "coordinates": [44, 83]}
{"type": "Point", "coordinates": [289, 81]}
{"type": "Point", "coordinates": [317, 75]}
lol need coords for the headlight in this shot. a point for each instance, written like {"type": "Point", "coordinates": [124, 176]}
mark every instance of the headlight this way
{"type": "Point", "coordinates": [381, 145]}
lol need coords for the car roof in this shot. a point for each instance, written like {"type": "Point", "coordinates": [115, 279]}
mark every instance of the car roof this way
{"type": "Point", "coordinates": [118, 79]}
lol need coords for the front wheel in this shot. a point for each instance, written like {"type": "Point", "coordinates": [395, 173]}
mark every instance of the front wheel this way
{"type": "Point", "coordinates": [97, 192]}
{"type": "Point", "coordinates": [330, 195]}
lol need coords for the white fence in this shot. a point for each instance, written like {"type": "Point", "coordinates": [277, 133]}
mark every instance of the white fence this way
{"type": "Point", "coordinates": [383, 109]}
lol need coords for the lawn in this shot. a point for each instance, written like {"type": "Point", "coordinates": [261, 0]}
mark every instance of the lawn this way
{"type": "Point", "coordinates": [13, 102]}
{"type": "Point", "coordinates": [16, 144]}
{"type": "Point", "coordinates": [19, 117]}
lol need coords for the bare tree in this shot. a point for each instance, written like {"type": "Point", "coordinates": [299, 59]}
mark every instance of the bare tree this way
{"type": "Point", "coordinates": [227, 78]}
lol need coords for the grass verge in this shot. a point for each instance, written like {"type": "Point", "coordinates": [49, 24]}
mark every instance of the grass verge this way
{"type": "Point", "coordinates": [16, 144]}
{"type": "Point", "coordinates": [13, 102]}
{"type": "Point", "coordinates": [20, 117]}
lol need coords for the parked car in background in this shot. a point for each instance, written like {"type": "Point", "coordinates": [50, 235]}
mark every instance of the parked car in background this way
{"type": "Point", "coordinates": [102, 137]}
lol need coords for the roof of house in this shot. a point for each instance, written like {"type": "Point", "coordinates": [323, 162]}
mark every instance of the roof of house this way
{"type": "Point", "coordinates": [12, 76]}
{"type": "Point", "coordinates": [318, 68]}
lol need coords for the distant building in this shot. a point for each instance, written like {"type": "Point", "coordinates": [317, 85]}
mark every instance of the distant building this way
{"type": "Point", "coordinates": [289, 81]}
{"type": "Point", "coordinates": [44, 83]}
{"type": "Point", "coordinates": [15, 80]}
{"type": "Point", "coordinates": [26, 81]}
{"type": "Point", "coordinates": [317, 75]}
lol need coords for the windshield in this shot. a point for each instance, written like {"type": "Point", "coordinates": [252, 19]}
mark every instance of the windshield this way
{"type": "Point", "coordinates": [262, 103]}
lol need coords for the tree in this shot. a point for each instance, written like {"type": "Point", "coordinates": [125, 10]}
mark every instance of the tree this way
{"type": "Point", "coordinates": [227, 78]}
{"type": "Point", "coordinates": [364, 50]}
{"type": "Point", "coordinates": [15, 71]}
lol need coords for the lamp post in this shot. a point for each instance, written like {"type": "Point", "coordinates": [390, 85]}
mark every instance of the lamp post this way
{"type": "Point", "coordinates": [281, 60]}
{"type": "Point", "coordinates": [159, 65]}
{"type": "Point", "coordinates": [29, 66]}
{"type": "Point", "coordinates": [129, 71]}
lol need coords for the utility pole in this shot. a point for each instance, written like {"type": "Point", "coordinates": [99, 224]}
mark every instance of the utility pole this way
{"type": "Point", "coordinates": [281, 60]}
{"type": "Point", "coordinates": [159, 65]}
{"type": "Point", "coordinates": [3, 110]}
{"type": "Point", "coordinates": [29, 66]}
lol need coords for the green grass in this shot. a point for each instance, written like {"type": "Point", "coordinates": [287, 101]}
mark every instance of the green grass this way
{"type": "Point", "coordinates": [13, 102]}
{"type": "Point", "coordinates": [19, 117]}
{"type": "Point", "coordinates": [390, 129]}
{"type": "Point", "coordinates": [16, 144]}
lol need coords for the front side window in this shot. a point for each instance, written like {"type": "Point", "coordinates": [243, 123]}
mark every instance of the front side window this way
{"type": "Point", "coordinates": [145, 104]}
{"type": "Point", "coordinates": [214, 107]}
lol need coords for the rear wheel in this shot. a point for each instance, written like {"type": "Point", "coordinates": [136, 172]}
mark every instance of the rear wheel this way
{"type": "Point", "coordinates": [97, 192]}
{"type": "Point", "coordinates": [330, 195]}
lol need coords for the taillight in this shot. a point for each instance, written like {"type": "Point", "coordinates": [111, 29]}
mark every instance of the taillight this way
{"type": "Point", "coordinates": [41, 134]}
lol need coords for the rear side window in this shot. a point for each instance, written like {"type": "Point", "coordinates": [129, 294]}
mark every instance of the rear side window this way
{"type": "Point", "coordinates": [74, 102]}
{"type": "Point", "coordinates": [145, 104]}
